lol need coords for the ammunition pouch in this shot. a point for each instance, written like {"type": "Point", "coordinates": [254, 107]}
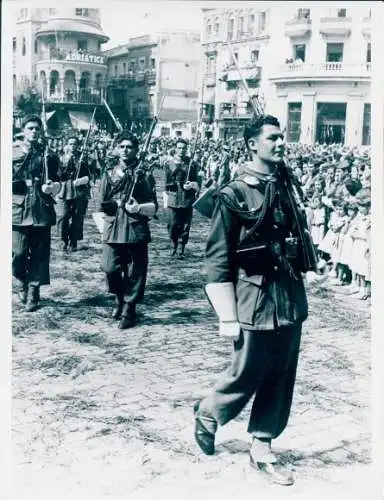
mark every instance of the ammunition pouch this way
{"type": "Point", "coordinates": [109, 207]}
{"type": "Point", "coordinates": [256, 258]}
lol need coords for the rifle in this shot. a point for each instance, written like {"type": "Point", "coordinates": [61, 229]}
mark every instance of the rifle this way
{"type": "Point", "coordinates": [257, 106]}
{"type": "Point", "coordinates": [128, 197]}
{"type": "Point", "coordinates": [84, 144]}
{"type": "Point", "coordinates": [45, 129]}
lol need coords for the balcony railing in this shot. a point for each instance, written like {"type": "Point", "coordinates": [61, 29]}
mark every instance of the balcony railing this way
{"type": "Point", "coordinates": [298, 27]}
{"type": "Point", "coordinates": [73, 56]}
{"type": "Point", "coordinates": [323, 71]}
{"type": "Point", "coordinates": [340, 26]}
{"type": "Point", "coordinates": [132, 77]}
{"type": "Point", "coordinates": [249, 71]}
{"type": "Point", "coordinates": [83, 96]}
{"type": "Point", "coordinates": [210, 79]}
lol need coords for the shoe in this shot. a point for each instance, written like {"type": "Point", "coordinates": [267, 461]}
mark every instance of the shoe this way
{"type": "Point", "coordinates": [204, 438]}
{"type": "Point", "coordinates": [73, 247]}
{"type": "Point", "coordinates": [33, 299]}
{"type": "Point", "coordinates": [23, 295]}
{"type": "Point", "coordinates": [274, 472]}
{"type": "Point", "coordinates": [118, 309]}
{"type": "Point", "coordinates": [128, 319]}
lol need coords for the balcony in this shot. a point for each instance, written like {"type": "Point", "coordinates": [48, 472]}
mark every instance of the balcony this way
{"type": "Point", "coordinates": [87, 96]}
{"type": "Point", "coordinates": [335, 26]}
{"type": "Point", "coordinates": [235, 113]}
{"type": "Point", "coordinates": [248, 72]}
{"type": "Point", "coordinates": [140, 76]}
{"type": "Point", "coordinates": [72, 56]}
{"type": "Point", "coordinates": [335, 71]}
{"type": "Point", "coordinates": [151, 76]}
{"type": "Point", "coordinates": [210, 79]}
{"type": "Point", "coordinates": [366, 30]}
{"type": "Point", "coordinates": [298, 28]}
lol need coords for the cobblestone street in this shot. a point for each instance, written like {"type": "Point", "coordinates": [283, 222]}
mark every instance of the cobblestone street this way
{"type": "Point", "coordinates": [103, 413]}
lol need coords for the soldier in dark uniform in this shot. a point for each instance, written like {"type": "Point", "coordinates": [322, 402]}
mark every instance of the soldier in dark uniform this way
{"type": "Point", "coordinates": [33, 212]}
{"type": "Point", "coordinates": [181, 187]}
{"type": "Point", "coordinates": [72, 200]}
{"type": "Point", "coordinates": [257, 249]}
{"type": "Point", "coordinates": [126, 231]}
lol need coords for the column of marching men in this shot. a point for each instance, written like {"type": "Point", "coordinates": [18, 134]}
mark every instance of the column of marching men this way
{"type": "Point", "coordinates": [335, 180]}
{"type": "Point", "coordinates": [279, 214]}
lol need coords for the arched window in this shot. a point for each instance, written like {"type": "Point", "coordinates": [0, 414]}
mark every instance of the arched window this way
{"type": "Point", "coordinates": [36, 46]}
{"type": "Point", "coordinates": [24, 47]}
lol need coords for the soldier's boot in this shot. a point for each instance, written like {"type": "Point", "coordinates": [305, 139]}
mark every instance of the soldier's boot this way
{"type": "Point", "coordinates": [174, 249]}
{"type": "Point", "coordinates": [73, 246]}
{"type": "Point", "coordinates": [33, 298]}
{"type": "Point", "coordinates": [128, 318]}
{"type": "Point", "coordinates": [22, 293]}
{"type": "Point", "coordinates": [182, 251]}
{"type": "Point", "coordinates": [118, 309]}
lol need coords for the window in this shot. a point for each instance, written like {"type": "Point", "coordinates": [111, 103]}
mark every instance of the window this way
{"type": "Point", "coordinates": [341, 12]}
{"type": "Point", "coordinates": [82, 12]}
{"type": "Point", "coordinates": [231, 27]}
{"type": "Point", "coordinates": [141, 63]}
{"type": "Point", "coordinates": [132, 65]}
{"type": "Point", "coordinates": [369, 52]}
{"type": "Point", "coordinates": [217, 26]}
{"type": "Point", "coordinates": [52, 12]}
{"type": "Point", "coordinates": [14, 44]}
{"type": "Point", "coordinates": [36, 47]}
{"type": "Point", "coordinates": [209, 30]}
{"type": "Point", "coordinates": [153, 63]}
{"type": "Point", "coordinates": [262, 21]}
{"type": "Point", "coordinates": [299, 52]}
{"type": "Point", "coordinates": [303, 14]}
{"type": "Point", "coordinates": [367, 125]}
{"type": "Point", "coordinates": [82, 44]}
{"type": "Point", "coordinates": [24, 47]}
{"type": "Point", "coordinates": [251, 22]}
{"type": "Point", "coordinates": [241, 26]}
{"type": "Point", "coordinates": [254, 56]}
{"type": "Point", "coordinates": [115, 69]}
{"type": "Point", "coordinates": [335, 52]}
{"type": "Point", "coordinates": [294, 122]}
{"type": "Point", "coordinates": [124, 68]}
{"type": "Point", "coordinates": [211, 64]}
{"type": "Point", "coordinates": [23, 13]}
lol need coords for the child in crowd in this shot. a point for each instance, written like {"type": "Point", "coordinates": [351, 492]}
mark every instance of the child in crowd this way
{"type": "Point", "coordinates": [344, 246]}
{"type": "Point", "coordinates": [330, 245]}
{"type": "Point", "coordinates": [317, 220]}
{"type": "Point", "coordinates": [359, 262]}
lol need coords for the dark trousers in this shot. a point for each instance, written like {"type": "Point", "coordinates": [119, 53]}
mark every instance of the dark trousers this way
{"type": "Point", "coordinates": [70, 218]}
{"type": "Point", "coordinates": [179, 224]}
{"type": "Point", "coordinates": [263, 367]}
{"type": "Point", "coordinates": [31, 250]}
{"type": "Point", "coordinates": [126, 268]}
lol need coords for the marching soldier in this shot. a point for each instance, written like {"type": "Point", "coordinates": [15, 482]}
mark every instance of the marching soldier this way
{"type": "Point", "coordinates": [128, 204]}
{"type": "Point", "coordinates": [181, 187]}
{"type": "Point", "coordinates": [34, 176]}
{"type": "Point", "coordinates": [257, 250]}
{"type": "Point", "coordinates": [72, 200]}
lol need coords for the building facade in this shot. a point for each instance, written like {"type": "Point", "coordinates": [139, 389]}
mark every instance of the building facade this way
{"type": "Point", "coordinates": [311, 67]}
{"type": "Point", "coordinates": [156, 75]}
{"type": "Point", "coordinates": [58, 51]}
{"type": "Point", "coordinates": [322, 78]}
{"type": "Point", "coordinates": [227, 34]}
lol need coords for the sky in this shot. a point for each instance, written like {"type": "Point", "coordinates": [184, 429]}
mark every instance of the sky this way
{"type": "Point", "coordinates": [123, 19]}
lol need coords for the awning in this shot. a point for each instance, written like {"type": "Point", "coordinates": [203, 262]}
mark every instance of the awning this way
{"type": "Point", "coordinates": [81, 120]}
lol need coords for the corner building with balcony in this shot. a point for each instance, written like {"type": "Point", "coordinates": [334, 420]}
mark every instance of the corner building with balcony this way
{"type": "Point", "coordinates": [320, 71]}
{"type": "Point", "coordinates": [148, 68]}
{"type": "Point", "coordinates": [224, 104]}
{"type": "Point", "coordinates": [311, 67]}
{"type": "Point", "coordinates": [58, 50]}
